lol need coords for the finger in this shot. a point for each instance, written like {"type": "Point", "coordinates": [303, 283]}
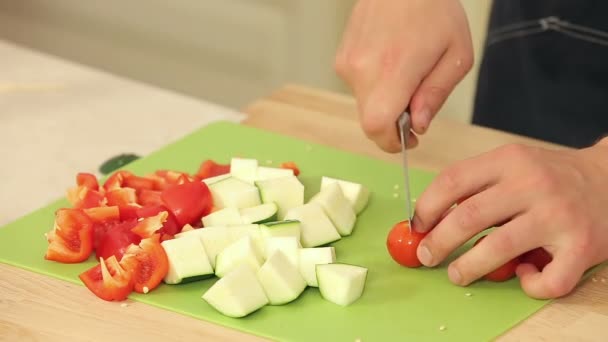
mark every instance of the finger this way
{"type": "Point", "coordinates": [497, 248]}
{"type": "Point", "coordinates": [478, 212]}
{"type": "Point", "coordinates": [461, 180]}
{"type": "Point", "coordinates": [437, 86]}
{"type": "Point", "coordinates": [557, 279]}
{"type": "Point", "coordinates": [386, 101]}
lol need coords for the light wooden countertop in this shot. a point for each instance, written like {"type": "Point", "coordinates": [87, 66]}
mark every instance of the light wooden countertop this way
{"type": "Point", "coordinates": [36, 308]}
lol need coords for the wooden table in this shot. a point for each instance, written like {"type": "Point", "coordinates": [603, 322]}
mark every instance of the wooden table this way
{"type": "Point", "coordinates": [34, 307]}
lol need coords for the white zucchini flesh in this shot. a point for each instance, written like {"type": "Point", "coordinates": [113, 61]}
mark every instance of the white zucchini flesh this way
{"type": "Point", "coordinates": [214, 240]}
{"type": "Point", "coordinates": [288, 245]}
{"type": "Point", "coordinates": [265, 173]}
{"type": "Point", "coordinates": [337, 208]}
{"type": "Point", "coordinates": [280, 279]}
{"type": "Point", "coordinates": [281, 228]}
{"type": "Point", "coordinates": [188, 260]}
{"type": "Point", "coordinates": [244, 169]}
{"type": "Point", "coordinates": [309, 258]}
{"type": "Point", "coordinates": [234, 193]}
{"type": "Point", "coordinates": [251, 230]}
{"type": "Point", "coordinates": [357, 194]}
{"type": "Point", "coordinates": [285, 192]}
{"type": "Point", "coordinates": [341, 284]}
{"type": "Point", "coordinates": [223, 217]}
{"type": "Point", "coordinates": [238, 294]}
{"type": "Point", "coordinates": [238, 253]}
{"type": "Point", "coordinates": [215, 179]}
{"type": "Point", "coordinates": [316, 228]}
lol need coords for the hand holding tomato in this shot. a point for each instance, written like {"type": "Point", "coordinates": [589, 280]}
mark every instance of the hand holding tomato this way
{"type": "Point", "coordinates": [538, 198]}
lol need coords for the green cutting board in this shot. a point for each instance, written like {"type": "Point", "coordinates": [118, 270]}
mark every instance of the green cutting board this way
{"type": "Point", "coordinates": [399, 304]}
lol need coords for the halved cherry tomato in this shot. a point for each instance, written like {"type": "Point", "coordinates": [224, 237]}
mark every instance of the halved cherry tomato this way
{"type": "Point", "coordinates": [71, 240]}
{"type": "Point", "coordinates": [152, 263]}
{"type": "Point", "coordinates": [116, 180]}
{"type": "Point", "coordinates": [149, 198]}
{"type": "Point", "coordinates": [170, 226]}
{"type": "Point", "coordinates": [402, 244]}
{"type": "Point", "coordinates": [146, 227]}
{"type": "Point", "coordinates": [291, 165]}
{"type": "Point", "coordinates": [115, 239]}
{"type": "Point", "coordinates": [538, 257]}
{"type": "Point", "coordinates": [87, 180]}
{"type": "Point", "coordinates": [108, 280]}
{"type": "Point", "coordinates": [121, 196]}
{"type": "Point", "coordinates": [210, 168]}
{"type": "Point", "coordinates": [188, 202]}
{"type": "Point", "coordinates": [504, 272]}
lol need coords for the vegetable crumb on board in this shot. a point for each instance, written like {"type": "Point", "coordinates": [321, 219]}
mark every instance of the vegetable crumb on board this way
{"type": "Point", "coordinates": [396, 187]}
{"type": "Point", "coordinates": [395, 195]}
{"type": "Point", "coordinates": [124, 305]}
{"type": "Point", "coordinates": [146, 289]}
{"type": "Point", "coordinates": [358, 340]}
{"type": "Point", "coordinates": [468, 294]}
{"type": "Point", "coordinates": [442, 328]}
{"type": "Point", "coordinates": [414, 200]}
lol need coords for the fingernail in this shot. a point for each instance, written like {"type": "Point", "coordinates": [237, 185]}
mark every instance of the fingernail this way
{"type": "Point", "coordinates": [454, 275]}
{"type": "Point", "coordinates": [425, 119]}
{"type": "Point", "coordinates": [425, 256]}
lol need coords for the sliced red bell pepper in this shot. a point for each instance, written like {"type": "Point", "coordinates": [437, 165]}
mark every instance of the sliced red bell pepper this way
{"type": "Point", "coordinates": [121, 196]}
{"type": "Point", "coordinates": [128, 212]}
{"type": "Point", "coordinates": [103, 214]}
{"type": "Point", "coordinates": [210, 168]}
{"type": "Point", "coordinates": [170, 226]}
{"type": "Point", "coordinates": [149, 198]}
{"type": "Point", "coordinates": [83, 197]}
{"type": "Point", "coordinates": [151, 264]}
{"type": "Point", "coordinates": [188, 202]}
{"type": "Point", "coordinates": [71, 240]}
{"type": "Point", "coordinates": [139, 183]}
{"type": "Point", "coordinates": [108, 280]}
{"type": "Point", "coordinates": [146, 227]}
{"type": "Point", "coordinates": [115, 239]}
{"type": "Point", "coordinates": [291, 165]}
{"type": "Point", "coordinates": [87, 180]}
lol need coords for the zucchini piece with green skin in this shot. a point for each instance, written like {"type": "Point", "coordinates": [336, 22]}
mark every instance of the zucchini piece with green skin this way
{"type": "Point", "coordinates": [341, 284]}
{"type": "Point", "coordinates": [280, 279]}
{"type": "Point", "coordinates": [188, 260]}
{"type": "Point", "coordinates": [316, 228]}
{"type": "Point", "coordinates": [281, 228]}
{"type": "Point", "coordinates": [223, 217]}
{"type": "Point", "coordinates": [309, 258]}
{"type": "Point", "coordinates": [215, 179]}
{"type": "Point", "coordinates": [238, 253]}
{"type": "Point", "coordinates": [337, 208]}
{"type": "Point", "coordinates": [357, 194]}
{"type": "Point", "coordinates": [234, 193]}
{"type": "Point", "coordinates": [244, 169]}
{"type": "Point", "coordinates": [214, 240]}
{"type": "Point", "coordinates": [285, 192]}
{"type": "Point", "coordinates": [238, 294]}
{"type": "Point", "coordinates": [259, 214]}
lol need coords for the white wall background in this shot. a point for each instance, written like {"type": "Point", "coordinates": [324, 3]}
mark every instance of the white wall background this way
{"type": "Point", "coordinates": [229, 51]}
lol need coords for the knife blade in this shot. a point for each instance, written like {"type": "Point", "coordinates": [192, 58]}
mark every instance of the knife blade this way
{"type": "Point", "coordinates": [404, 124]}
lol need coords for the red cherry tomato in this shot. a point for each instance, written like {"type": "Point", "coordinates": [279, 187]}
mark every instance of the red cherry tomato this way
{"type": "Point", "coordinates": [538, 257]}
{"type": "Point", "coordinates": [504, 272]}
{"type": "Point", "coordinates": [403, 243]}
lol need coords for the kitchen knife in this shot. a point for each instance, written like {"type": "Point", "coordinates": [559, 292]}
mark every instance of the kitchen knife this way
{"type": "Point", "coordinates": [404, 124]}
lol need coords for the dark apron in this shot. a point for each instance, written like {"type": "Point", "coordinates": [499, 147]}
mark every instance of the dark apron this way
{"type": "Point", "coordinates": [544, 73]}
